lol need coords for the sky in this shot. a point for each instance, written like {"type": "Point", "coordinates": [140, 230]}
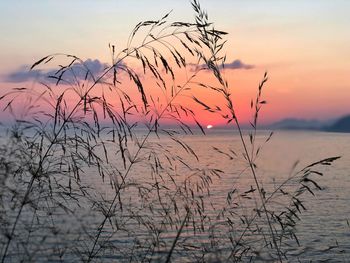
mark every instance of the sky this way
{"type": "Point", "coordinates": [303, 45]}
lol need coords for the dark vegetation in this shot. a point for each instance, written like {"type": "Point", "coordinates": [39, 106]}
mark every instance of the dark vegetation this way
{"type": "Point", "coordinates": [73, 138]}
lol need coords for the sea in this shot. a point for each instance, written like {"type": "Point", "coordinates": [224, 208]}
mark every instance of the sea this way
{"type": "Point", "coordinates": [322, 228]}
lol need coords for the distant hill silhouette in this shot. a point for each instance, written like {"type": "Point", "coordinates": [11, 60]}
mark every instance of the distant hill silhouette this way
{"type": "Point", "coordinates": [298, 124]}
{"type": "Point", "coordinates": [338, 125]}
{"type": "Point", "coordinates": [341, 125]}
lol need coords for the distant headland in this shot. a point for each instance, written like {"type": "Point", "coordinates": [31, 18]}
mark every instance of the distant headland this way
{"type": "Point", "coordinates": [341, 124]}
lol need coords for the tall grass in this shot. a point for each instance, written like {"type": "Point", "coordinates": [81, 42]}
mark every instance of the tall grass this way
{"type": "Point", "coordinates": [76, 134]}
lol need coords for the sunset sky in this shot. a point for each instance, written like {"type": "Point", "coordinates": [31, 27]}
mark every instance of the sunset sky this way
{"type": "Point", "coordinates": [304, 45]}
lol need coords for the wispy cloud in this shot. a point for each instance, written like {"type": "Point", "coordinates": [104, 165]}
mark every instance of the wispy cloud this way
{"type": "Point", "coordinates": [234, 65]}
{"type": "Point", "coordinates": [77, 72]}
{"type": "Point", "coordinates": [238, 64]}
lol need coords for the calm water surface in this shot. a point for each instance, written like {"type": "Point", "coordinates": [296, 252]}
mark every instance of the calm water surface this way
{"type": "Point", "coordinates": [323, 232]}
{"type": "Point", "coordinates": [325, 224]}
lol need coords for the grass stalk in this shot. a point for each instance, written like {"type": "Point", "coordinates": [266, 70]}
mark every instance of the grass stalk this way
{"type": "Point", "coordinates": [251, 165]}
{"type": "Point", "coordinates": [65, 121]}
{"type": "Point", "coordinates": [86, 149]}
{"type": "Point", "coordinates": [177, 237]}
{"type": "Point", "coordinates": [91, 252]}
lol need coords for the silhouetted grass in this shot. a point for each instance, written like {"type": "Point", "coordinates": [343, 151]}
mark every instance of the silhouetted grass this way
{"type": "Point", "coordinates": [74, 137]}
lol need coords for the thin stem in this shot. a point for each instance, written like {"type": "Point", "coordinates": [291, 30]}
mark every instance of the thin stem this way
{"type": "Point", "coordinates": [215, 67]}
{"type": "Point", "coordinates": [177, 237]}
{"type": "Point", "coordinates": [230, 106]}
{"type": "Point", "coordinates": [10, 237]}
{"type": "Point", "coordinates": [131, 164]}
{"type": "Point", "coordinates": [53, 142]}
{"type": "Point", "coordinates": [258, 188]}
{"type": "Point", "coordinates": [266, 201]}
